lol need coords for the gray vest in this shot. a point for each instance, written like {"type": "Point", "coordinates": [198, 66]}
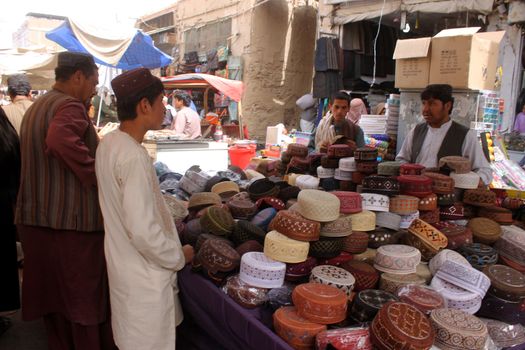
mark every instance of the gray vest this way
{"type": "Point", "coordinates": [452, 143]}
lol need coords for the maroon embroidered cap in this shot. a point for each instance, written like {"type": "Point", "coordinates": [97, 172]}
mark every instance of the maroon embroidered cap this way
{"type": "Point", "coordinates": [132, 82]}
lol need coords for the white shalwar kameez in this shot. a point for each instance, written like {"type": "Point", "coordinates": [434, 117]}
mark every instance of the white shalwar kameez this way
{"type": "Point", "coordinates": [142, 247]}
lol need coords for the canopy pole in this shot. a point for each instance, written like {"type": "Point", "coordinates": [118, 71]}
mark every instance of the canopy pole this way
{"type": "Point", "coordinates": [101, 100]}
{"type": "Point", "coordinates": [239, 107]}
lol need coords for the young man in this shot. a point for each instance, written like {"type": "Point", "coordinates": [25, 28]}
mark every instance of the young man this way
{"type": "Point", "coordinates": [186, 122]}
{"type": "Point", "coordinates": [58, 216]}
{"type": "Point", "coordinates": [335, 124]}
{"type": "Point", "coordinates": [439, 136]}
{"type": "Point", "coordinates": [19, 91]}
{"type": "Point", "coordinates": [143, 250]}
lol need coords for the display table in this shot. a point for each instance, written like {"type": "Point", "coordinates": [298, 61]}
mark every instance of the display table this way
{"type": "Point", "coordinates": [214, 321]}
{"type": "Point", "coordinates": [179, 156]}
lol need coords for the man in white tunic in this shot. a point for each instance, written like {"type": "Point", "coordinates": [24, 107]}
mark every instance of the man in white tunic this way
{"type": "Point", "coordinates": [142, 247]}
{"type": "Point", "coordinates": [439, 136]}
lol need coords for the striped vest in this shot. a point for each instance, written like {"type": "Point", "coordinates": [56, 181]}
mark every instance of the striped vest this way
{"type": "Point", "coordinates": [50, 194]}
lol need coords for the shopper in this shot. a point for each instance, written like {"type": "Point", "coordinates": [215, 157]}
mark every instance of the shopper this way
{"type": "Point", "coordinates": [143, 250]}
{"type": "Point", "coordinates": [186, 122]}
{"type": "Point", "coordinates": [519, 123]}
{"type": "Point", "coordinates": [58, 215]}
{"type": "Point", "coordinates": [19, 91]}
{"type": "Point", "coordinates": [440, 136]}
{"type": "Point", "coordinates": [357, 108]}
{"type": "Point", "coordinates": [334, 124]}
{"type": "Point", "coordinates": [9, 181]}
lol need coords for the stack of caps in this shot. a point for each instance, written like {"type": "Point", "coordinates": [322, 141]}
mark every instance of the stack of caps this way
{"type": "Point", "coordinates": [399, 325]}
{"type": "Point", "coordinates": [455, 296]}
{"type": "Point", "coordinates": [366, 160]}
{"type": "Point", "coordinates": [461, 285]}
{"type": "Point", "coordinates": [342, 170]}
{"type": "Point", "coordinates": [406, 207]}
{"type": "Point", "coordinates": [326, 178]}
{"type": "Point", "coordinates": [460, 169]}
{"type": "Point", "coordinates": [442, 185]}
{"type": "Point", "coordinates": [504, 301]}
{"type": "Point", "coordinates": [511, 247]}
{"type": "Point", "coordinates": [392, 121]}
{"type": "Point", "coordinates": [299, 154]}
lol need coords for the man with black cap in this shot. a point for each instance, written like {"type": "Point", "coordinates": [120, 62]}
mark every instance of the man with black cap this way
{"type": "Point", "coordinates": [143, 250]}
{"type": "Point", "coordinates": [19, 90]}
{"type": "Point", "coordinates": [58, 215]}
{"type": "Point", "coordinates": [439, 136]}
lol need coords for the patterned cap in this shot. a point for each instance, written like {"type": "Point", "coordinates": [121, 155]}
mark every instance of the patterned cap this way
{"type": "Point", "coordinates": [132, 82]}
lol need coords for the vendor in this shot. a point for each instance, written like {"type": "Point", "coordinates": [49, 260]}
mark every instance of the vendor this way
{"type": "Point", "coordinates": [439, 136]}
{"type": "Point", "coordinates": [186, 122]}
{"type": "Point", "coordinates": [335, 124]}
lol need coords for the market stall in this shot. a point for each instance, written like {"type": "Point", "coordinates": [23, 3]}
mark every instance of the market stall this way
{"type": "Point", "coordinates": [349, 252]}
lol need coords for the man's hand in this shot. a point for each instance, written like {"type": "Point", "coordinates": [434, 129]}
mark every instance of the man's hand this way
{"type": "Point", "coordinates": [189, 253]}
{"type": "Point", "coordinates": [352, 144]}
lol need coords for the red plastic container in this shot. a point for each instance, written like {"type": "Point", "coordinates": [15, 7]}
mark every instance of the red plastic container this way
{"type": "Point", "coordinates": [241, 155]}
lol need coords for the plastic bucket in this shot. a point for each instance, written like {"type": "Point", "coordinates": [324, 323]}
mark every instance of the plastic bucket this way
{"type": "Point", "coordinates": [241, 156]}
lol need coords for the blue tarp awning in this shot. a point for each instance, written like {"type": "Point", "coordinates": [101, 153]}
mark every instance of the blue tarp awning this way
{"type": "Point", "coordinates": [137, 49]}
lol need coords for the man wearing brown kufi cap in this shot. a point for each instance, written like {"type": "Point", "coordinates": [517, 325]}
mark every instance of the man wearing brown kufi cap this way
{"type": "Point", "coordinates": [58, 215]}
{"type": "Point", "coordinates": [143, 250]}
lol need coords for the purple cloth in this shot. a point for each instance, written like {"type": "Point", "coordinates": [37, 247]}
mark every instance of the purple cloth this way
{"type": "Point", "coordinates": [519, 124]}
{"type": "Point", "coordinates": [229, 325]}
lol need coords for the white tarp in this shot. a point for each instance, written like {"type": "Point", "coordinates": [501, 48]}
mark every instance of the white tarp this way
{"type": "Point", "coordinates": [40, 68]}
{"type": "Point", "coordinates": [354, 11]}
{"type": "Point", "coordinates": [106, 43]}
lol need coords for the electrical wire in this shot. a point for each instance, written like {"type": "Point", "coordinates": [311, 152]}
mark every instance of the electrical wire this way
{"type": "Point", "coordinates": [375, 43]}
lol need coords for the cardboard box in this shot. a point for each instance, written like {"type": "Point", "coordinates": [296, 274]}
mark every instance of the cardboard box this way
{"type": "Point", "coordinates": [465, 59]}
{"type": "Point", "coordinates": [412, 62]}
